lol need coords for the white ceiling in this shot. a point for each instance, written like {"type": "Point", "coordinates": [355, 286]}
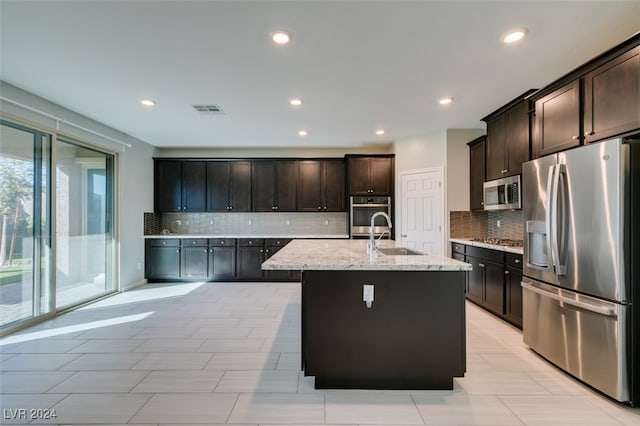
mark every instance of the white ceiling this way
{"type": "Point", "coordinates": [358, 65]}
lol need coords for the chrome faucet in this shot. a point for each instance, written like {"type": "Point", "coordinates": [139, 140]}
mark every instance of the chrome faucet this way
{"type": "Point", "coordinates": [371, 247]}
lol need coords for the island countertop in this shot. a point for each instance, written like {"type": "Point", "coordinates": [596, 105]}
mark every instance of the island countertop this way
{"type": "Point", "coordinates": [352, 255]}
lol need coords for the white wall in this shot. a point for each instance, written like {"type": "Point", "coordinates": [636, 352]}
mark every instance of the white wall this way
{"type": "Point", "coordinates": [458, 167]}
{"type": "Point", "coordinates": [135, 167]}
{"type": "Point", "coordinates": [385, 148]}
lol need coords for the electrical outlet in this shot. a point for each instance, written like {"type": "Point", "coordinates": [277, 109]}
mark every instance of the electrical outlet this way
{"type": "Point", "coordinates": [287, 222]}
{"type": "Point", "coordinates": [326, 222]}
{"type": "Point", "coordinates": [250, 222]}
{"type": "Point", "coordinates": [499, 223]}
{"type": "Point", "coordinates": [211, 222]}
{"type": "Point", "coordinates": [139, 266]}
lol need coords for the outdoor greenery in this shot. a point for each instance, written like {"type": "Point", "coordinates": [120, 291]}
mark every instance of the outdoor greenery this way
{"type": "Point", "coordinates": [16, 188]}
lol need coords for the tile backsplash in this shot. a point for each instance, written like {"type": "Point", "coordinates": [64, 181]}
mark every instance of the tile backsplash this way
{"type": "Point", "coordinates": [281, 224]}
{"type": "Point", "coordinates": [484, 224]}
{"type": "Point", "coordinates": [468, 224]}
{"type": "Point", "coordinates": [511, 225]}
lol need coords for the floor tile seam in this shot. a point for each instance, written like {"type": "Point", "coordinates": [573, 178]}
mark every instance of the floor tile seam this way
{"type": "Point", "coordinates": [415, 404]}
{"type": "Point", "coordinates": [139, 381]}
{"type": "Point", "coordinates": [568, 396]}
{"type": "Point", "coordinates": [235, 402]}
{"type": "Point", "coordinates": [68, 362]}
{"type": "Point", "coordinates": [151, 395]}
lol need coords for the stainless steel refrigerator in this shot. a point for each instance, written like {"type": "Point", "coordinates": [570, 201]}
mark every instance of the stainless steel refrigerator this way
{"type": "Point", "coordinates": [581, 257]}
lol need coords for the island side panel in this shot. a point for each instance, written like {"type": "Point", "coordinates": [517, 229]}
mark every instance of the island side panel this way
{"type": "Point", "coordinates": [413, 336]}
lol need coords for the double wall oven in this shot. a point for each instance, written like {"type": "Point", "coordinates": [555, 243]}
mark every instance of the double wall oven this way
{"type": "Point", "coordinates": [362, 209]}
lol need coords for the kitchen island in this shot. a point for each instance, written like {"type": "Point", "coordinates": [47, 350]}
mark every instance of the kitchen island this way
{"type": "Point", "coordinates": [387, 322]}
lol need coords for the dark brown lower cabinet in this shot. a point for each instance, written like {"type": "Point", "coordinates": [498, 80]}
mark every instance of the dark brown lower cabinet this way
{"type": "Point", "coordinates": [222, 263]}
{"type": "Point", "coordinates": [162, 259]}
{"type": "Point", "coordinates": [494, 281]}
{"type": "Point", "coordinates": [173, 259]}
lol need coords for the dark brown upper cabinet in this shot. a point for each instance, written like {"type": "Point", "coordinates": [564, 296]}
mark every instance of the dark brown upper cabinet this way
{"type": "Point", "coordinates": [321, 186]}
{"type": "Point", "coordinates": [612, 97]}
{"type": "Point", "coordinates": [508, 139]}
{"type": "Point", "coordinates": [273, 185]}
{"type": "Point", "coordinates": [370, 175]}
{"type": "Point", "coordinates": [476, 173]}
{"type": "Point", "coordinates": [228, 186]}
{"type": "Point", "coordinates": [556, 123]}
{"type": "Point", "coordinates": [179, 186]}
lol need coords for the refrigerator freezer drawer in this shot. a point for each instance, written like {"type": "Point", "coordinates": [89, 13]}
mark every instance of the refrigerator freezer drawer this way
{"type": "Point", "coordinates": [585, 336]}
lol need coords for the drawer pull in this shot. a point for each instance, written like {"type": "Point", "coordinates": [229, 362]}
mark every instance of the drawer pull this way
{"type": "Point", "coordinates": [517, 261]}
{"type": "Point", "coordinates": [482, 265]}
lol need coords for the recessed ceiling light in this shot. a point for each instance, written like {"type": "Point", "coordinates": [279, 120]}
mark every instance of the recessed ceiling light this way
{"type": "Point", "coordinates": [295, 101]}
{"type": "Point", "coordinates": [281, 37]}
{"type": "Point", "coordinates": [148, 102]}
{"type": "Point", "coordinates": [445, 101]}
{"type": "Point", "coordinates": [379, 132]}
{"type": "Point", "coordinates": [303, 133]}
{"type": "Point", "coordinates": [514, 36]}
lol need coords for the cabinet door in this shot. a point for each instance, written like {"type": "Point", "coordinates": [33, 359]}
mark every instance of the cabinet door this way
{"type": "Point", "coordinates": [240, 189]}
{"type": "Point", "coordinates": [517, 138]}
{"type": "Point", "coordinates": [194, 186]}
{"type": "Point", "coordinates": [513, 296]}
{"type": "Point", "coordinates": [263, 186]}
{"type": "Point", "coordinates": [333, 187]}
{"type": "Point", "coordinates": [612, 97]}
{"type": "Point", "coordinates": [494, 287]}
{"type": "Point", "coordinates": [496, 148]}
{"type": "Point", "coordinates": [218, 186]}
{"type": "Point", "coordinates": [250, 262]}
{"type": "Point", "coordinates": [167, 194]}
{"type": "Point", "coordinates": [309, 186]}
{"type": "Point", "coordinates": [162, 263]}
{"type": "Point", "coordinates": [275, 275]}
{"type": "Point", "coordinates": [286, 179]}
{"type": "Point", "coordinates": [380, 175]}
{"type": "Point", "coordinates": [222, 263]}
{"type": "Point", "coordinates": [476, 280]}
{"type": "Point", "coordinates": [194, 262]}
{"type": "Point", "coordinates": [359, 178]}
{"type": "Point", "coordinates": [476, 174]}
{"type": "Point", "coordinates": [557, 121]}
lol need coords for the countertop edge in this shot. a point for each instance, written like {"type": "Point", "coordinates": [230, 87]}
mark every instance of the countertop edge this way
{"type": "Point", "coordinates": [212, 236]}
{"type": "Point", "coordinates": [468, 242]}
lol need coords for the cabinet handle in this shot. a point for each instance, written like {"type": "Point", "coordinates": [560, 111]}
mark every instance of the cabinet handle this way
{"type": "Point", "coordinates": [261, 251]}
{"type": "Point", "coordinates": [222, 243]}
{"type": "Point", "coordinates": [482, 265]}
{"type": "Point", "coordinates": [319, 207]}
{"type": "Point", "coordinates": [276, 207]}
{"type": "Point", "coordinates": [507, 272]}
{"type": "Point", "coordinates": [266, 251]}
{"type": "Point", "coordinates": [517, 261]}
{"type": "Point", "coordinates": [230, 207]}
{"type": "Point", "coordinates": [574, 138]}
{"type": "Point", "coordinates": [178, 251]}
{"type": "Point", "coordinates": [193, 242]}
{"type": "Point", "coordinates": [504, 171]}
{"type": "Point", "coordinates": [482, 203]}
{"type": "Point", "coordinates": [205, 250]}
{"type": "Point", "coordinates": [325, 207]}
{"type": "Point", "coordinates": [588, 133]}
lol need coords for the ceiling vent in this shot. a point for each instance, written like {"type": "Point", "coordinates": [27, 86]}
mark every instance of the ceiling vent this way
{"type": "Point", "coordinates": [211, 109]}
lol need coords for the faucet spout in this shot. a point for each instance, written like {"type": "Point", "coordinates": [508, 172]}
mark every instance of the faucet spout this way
{"type": "Point", "coordinates": [371, 247]}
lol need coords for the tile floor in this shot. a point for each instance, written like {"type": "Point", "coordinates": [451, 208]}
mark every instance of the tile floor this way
{"type": "Point", "coordinates": [220, 353]}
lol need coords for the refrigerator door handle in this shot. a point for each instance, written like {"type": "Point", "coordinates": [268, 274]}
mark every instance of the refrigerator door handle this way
{"type": "Point", "coordinates": [553, 215]}
{"type": "Point", "coordinates": [602, 310]}
{"type": "Point", "coordinates": [548, 216]}
{"type": "Point", "coordinates": [560, 196]}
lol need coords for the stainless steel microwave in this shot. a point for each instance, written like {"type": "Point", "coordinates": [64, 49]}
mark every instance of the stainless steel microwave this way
{"type": "Point", "coordinates": [503, 194]}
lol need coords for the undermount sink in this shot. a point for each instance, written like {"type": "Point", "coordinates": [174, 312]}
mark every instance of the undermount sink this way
{"type": "Point", "coordinates": [398, 251]}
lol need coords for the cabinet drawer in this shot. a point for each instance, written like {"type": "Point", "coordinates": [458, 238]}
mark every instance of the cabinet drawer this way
{"type": "Point", "coordinates": [277, 242]}
{"type": "Point", "coordinates": [194, 242]}
{"type": "Point", "coordinates": [513, 260]}
{"type": "Point", "coordinates": [163, 242]}
{"type": "Point", "coordinates": [222, 242]}
{"type": "Point", "coordinates": [487, 254]}
{"type": "Point", "coordinates": [458, 248]}
{"type": "Point", "coordinates": [253, 242]}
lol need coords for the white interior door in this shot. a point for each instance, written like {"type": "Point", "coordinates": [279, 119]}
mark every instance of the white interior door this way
{"type": "Point", "coordinates": [421, 211]}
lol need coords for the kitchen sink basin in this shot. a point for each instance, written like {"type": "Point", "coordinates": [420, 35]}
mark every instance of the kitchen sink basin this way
{"type": "Point", "coordinates": [398, 251]}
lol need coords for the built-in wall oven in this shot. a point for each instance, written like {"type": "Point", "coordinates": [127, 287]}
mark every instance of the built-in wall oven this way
{"type": "Point", "coordinates": [361, 211]}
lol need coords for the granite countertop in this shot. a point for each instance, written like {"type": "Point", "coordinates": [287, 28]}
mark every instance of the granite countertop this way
{"type": "Point", "coordinates": [308, 236]}
{"type": "Point", "coordinates": [352, 255]}
{"type": "Point", "coordinates": [467, 241]}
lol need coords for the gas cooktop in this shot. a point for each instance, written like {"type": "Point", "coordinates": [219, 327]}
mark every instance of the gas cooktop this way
{"type": "Point", "coordinates": [499, 241]}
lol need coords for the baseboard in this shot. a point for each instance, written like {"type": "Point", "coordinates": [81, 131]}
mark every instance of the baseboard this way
{"type": "Point", "coordinates": [134, 285]}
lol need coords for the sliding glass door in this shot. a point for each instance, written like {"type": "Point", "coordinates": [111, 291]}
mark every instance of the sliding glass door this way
{"type": "Point", "coordinates": [25, 251]}
{"type": "Point", "coordinates": [84, 212]}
